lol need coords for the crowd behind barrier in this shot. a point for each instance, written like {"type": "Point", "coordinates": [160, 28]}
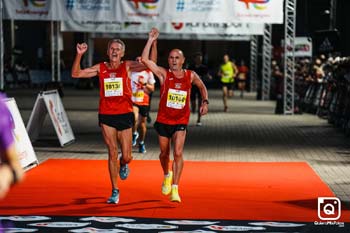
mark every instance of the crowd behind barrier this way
{"type": "Point", "coordinates": [322, 87]}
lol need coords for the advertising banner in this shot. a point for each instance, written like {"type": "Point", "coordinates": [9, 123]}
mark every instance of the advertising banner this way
{"type": "Point", "coordinates": [34, 10]}
{"type": "Point", "coordinates": [24, 147]}
{"type": "Point", "coordinates": [186, 11]}
{"type": "Point", "coordinates": [172, 36]}
{"type": "Point", "coordinates": [167, 28]}
{"type": "Point", "coordinates": [50, 102]}
{"type": "Point", "coordinates": [219, 11]}
{"type": "Point", "coordinates": [302, 47]}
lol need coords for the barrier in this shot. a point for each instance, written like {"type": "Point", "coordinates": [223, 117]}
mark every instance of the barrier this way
{"type": "Point", "coordinates": [24, 147]}
{"type": "Point", "coordinates": [50, 102]}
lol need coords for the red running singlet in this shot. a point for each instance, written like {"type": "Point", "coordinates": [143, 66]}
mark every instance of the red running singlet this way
{"type": "Point", "coordinates": [115, 90]}
{"type": "Point", "coordinates": [174, 108]}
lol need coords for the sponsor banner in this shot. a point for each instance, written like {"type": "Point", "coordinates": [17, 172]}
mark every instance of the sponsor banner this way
{"type": "Point", "coordinates": [24, 147]}
{"type": "Point", "coordinates": [145, 225]}
{"type": "Point", "coordinates": [253, 11]}
{"type": "Point", "coordinates": [92, 10]}
{"type": "Point", "coordinates": [302, 47]}
{"type": "Point", "coordinates": [50, 102]}
{"type": "Point", "coordinates": [189, 11]}
{"type": "Point", "coordinates": [163, 36]}
{"type": "Point", "coordinates": [34, 9]}
{"type": "Point", "coordinates": [168, 28]}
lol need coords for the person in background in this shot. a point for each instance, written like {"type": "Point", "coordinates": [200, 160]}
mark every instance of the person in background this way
{"type": "Point", "coordinates": [227, 73]}
{"type": "Point", "coordinates": [242, 77]}
{"type": "Point", "coordinates": [142, 83]}
{"type": "Point", "coordinates": [196, 98]}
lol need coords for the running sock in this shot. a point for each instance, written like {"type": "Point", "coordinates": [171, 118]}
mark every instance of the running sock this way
{"type": "Point", "coordinates": [174, 186]}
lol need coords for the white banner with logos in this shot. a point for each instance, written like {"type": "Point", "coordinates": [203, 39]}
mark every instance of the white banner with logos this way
{"type": "Point", "coordinates": [172, 36]}
{"type": "Point", "coordinates": [302, 47]}
{"type": "Point", "coordinates": [50, 102]}
{"type": "Point", "coordinates": [34, 9]}
{"type": "Point", "coordinates": [24, 147]}
{"type": "Point", "coordinates": [220, 11]}
{"type": "Point", "coordinates": [186, 11]}
{"type": "Point", "coordinates": [168, 28]}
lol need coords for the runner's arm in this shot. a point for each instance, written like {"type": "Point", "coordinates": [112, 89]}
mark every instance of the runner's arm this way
{"type": "Point", "coordinates": [160, 72]}
{"type": "Point", "coordinates": [77, 72]}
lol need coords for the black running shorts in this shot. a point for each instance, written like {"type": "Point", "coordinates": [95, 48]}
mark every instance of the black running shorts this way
{"type": "Point", "coordinates": [118, 121]}
{"type": "Point", "coordinates": [143, 110]}
{"type": "Point", "coordinates": [168, 130]}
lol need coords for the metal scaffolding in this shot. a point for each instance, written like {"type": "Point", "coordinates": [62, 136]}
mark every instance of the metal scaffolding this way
{"type": "Point", "coordinates": [289, 60]}
{"type": "Point", "coordinates": [253, 62]}
{"type": "Point", "coordinates": [55, 52]}
{"type": "Point", "coordinates": [332, 15]}
{"type": "Point", "coordinates": [267, 53]}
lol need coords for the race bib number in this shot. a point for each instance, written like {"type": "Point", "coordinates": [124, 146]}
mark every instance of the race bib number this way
{"type": "Point", "coordinates": [113, 87]}
{"type": "Point", "coordinates": [176, 99]}
{"type": "Point", "coordinates": [138, 95]}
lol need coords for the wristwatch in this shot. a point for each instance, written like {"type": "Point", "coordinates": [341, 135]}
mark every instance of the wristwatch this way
{"type": "Point", "coordinates": [205, 101]}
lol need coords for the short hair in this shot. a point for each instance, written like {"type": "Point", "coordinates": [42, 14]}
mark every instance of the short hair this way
{"type": "Point", "coordinates": [119, 41]}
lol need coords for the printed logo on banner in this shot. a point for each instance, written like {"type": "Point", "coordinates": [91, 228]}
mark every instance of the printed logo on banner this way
{"type": "Point", "coordinates": [257, 4]}
{"type": "Point", "coordinates": [108, 219]}
{"type": "Point", "coordinates": [104, 5]}
{"type": "Point", "coordinates": [96, 230]}
{"type": "Point", "coordinates": [235, 228]}
{"type": "Point", "coordinates": [59, 224]}
{"type": "Point", "coordinates": [177, 26]}
{"type": "Point", "coordinates": [14, 229]}
{"type": "Point", "coordinates": [198, 6]}
{"type": "Point", "coordinates": [31, 8]}
{"type": "Point", "coordinates": [277, 224]}
{"type": "Point", "coordinates": [146, 226]}
{"type": "Point", "coordinates": [37, 3]}
{"type": "Point", "coordinates": [70, 4]}
{"type": "Point", "coordinates": [148, 4]}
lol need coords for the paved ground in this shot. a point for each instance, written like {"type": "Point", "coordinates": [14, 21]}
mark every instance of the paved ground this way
{"type": "Point", "coordinates": [249, 131]}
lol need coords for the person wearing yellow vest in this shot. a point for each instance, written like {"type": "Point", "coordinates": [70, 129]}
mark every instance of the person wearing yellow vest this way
{"type": "Point", "coordinates": [227, 73]}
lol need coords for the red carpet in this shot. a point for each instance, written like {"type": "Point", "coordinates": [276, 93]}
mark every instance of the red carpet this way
{"type": "Point", "coordinates": [271, 191]}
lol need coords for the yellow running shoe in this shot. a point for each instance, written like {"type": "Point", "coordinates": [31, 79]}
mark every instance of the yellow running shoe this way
{"type": "Point", "coordinates": [166, 187]}
{"type": "Point", "coordinates": [175, 194]}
